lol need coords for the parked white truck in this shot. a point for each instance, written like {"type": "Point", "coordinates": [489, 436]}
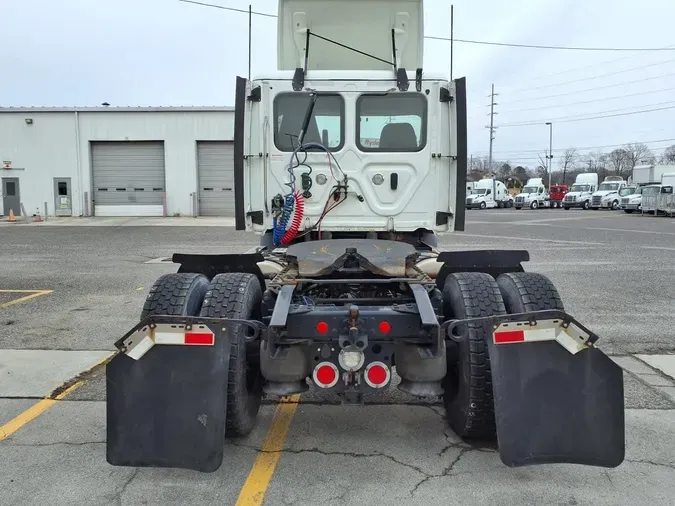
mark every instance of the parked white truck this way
{"type": "Point", "coordinates": [631, 199]}
{"type": "Point", "coordinates": [607, 196]}
{"type": "Point", "coordinates": [488, 193]}
{"type": "Point", "coordinates": [579, 194]}
{"type": "Point", "coordinates": [533, 195]}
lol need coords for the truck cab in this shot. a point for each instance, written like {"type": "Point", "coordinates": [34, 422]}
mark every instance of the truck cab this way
{"type": "Point", "coordinates": [488, 193]}
{"type": "Point", "coordinates": [607, 196]}
{"type": "Point", "coordinates": [631, 198]}
{"type": "Point", "coordinates": [579, 194]}
{"type": "Point", "coordinates": [533, 195]}
{"type": "Point", "coordinates": [557, 194]}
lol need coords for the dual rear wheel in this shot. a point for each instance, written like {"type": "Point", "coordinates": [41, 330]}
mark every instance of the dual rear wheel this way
{"type": "Point", "coordinates": [230, 295]}
{"type": "Point", "coordinates": [468, 397]}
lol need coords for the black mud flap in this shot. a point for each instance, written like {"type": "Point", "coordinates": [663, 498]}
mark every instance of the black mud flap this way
{"type": "Point", "coordinates": [552, 406]}
{"type": "Point", "coordinates": [167, 409]}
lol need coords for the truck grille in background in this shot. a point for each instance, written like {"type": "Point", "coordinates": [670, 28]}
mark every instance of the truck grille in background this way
{"type": "Point", "coordinates": [624, 200]}
{"type": "Point", "coordinates": [597, 200]}
{"type": "Point", "coordinates": [570, 198]}
{"type": "Point", "coordinates": [520, 200]}
{"type": "Point", "coordinates": [468, 201]}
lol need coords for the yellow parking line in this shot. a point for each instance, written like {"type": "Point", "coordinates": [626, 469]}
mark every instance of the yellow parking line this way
{"type": "Point", "coordinates": [44, 404]}
{"type": "Point", "coordinates": [259, 478]}
{"type": "Point", "coordinates": [34, 411]}
{"type": "Point", "coordinates": [32, 295]}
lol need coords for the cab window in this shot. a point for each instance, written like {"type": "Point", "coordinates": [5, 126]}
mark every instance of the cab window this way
{"type": "Point", "coordinates": [326, 126]}
{"type": "Point", "coordinates": [391, 122]}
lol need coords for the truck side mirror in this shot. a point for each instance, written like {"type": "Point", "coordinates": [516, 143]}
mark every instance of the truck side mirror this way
{"type": "Point", "coordinates": [324, 137]}
{"type": "Point", "coordinates": [488, 192]}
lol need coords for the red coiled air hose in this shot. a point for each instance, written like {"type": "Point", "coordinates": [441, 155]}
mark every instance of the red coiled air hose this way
{"type": "Point", "coordinates": [298, 213]}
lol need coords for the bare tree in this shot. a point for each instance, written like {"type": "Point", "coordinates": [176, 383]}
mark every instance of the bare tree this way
{"type": "Point", "coordinates": [619, 160]}
{"type": "Point", "coordinates": [568, 161]}
{"type": "Point", "coordinates": [668, 156]}
{"type": "Point", "coordinates": [637, 153]}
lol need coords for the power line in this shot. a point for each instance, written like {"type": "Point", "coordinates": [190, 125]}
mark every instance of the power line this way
{"type": "Point", "coordinates": [622, 109]}
{"type": "Point", "coordinates": [591, 77]}
{"type": "Point", "coordinates": [587, 147]}
{"type": "Point", "coordinates": [466, 41]}
{"type": "Point", "coordinates": [572, 120]}
{"type": "Point", "coordinates": [541, 46]}
{"type": "Point", "coordinates": [567, 104]}
{"type": "Point", "coordinates": [591, 65]}
{"type": "Point", "coordinates": [592, 89]}
{"type": "Point", "coordinates": [245, 11]}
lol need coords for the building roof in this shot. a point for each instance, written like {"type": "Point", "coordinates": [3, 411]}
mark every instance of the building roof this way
{"type": "Point", "coordinates": [119, 109]}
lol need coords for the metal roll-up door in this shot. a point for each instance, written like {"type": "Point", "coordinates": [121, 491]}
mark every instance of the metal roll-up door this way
{"type": "Point", "coordinates": [128, 178]}
{"type": "Point", "coordinates": [215, 165]}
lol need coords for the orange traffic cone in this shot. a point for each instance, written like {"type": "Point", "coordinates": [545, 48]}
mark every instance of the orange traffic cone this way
{"type": "Point", "coordinates": [11, 215]}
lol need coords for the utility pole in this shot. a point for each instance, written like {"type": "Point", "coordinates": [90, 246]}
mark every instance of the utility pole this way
{"type": "Point", "coordinates": [550, 154]}
{"type": "Point", "coordinates": [492, 123]}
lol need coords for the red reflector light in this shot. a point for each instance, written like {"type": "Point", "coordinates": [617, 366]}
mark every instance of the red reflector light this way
{"type": "Point", "coordinates": [385, 327]}
{"type": "Point", "coordinates": [377, 375]}
{"type": "Point", "coordinates": [322, 327]}
{"type": "Point", "coordinates": [325, 375]}
{"type": "Point", "coordinates": [206, 338]}
{"type": "Point", "coordinates": [509, 336]}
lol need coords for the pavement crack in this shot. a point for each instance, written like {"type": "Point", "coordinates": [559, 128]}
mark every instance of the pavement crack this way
{"type": "Point", "coordinates": [446, 471]}
{"type": "Point", "coordinates": [57, 443]}
{"type": "Point", "coordinates": [650, 462]}
{"type": "Point", "coordinates": [126, 484]}
{"type": "Point", "coordinates": [339, 453]}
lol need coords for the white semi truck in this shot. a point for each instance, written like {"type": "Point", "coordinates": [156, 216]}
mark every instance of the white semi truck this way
{"type": "Point", "coordinates": [579, 194]}
{"type": "Point", "coordinates": [533, 195]}
{"type": "Point", "coordinates": [607, 195]}
{"type": "Point", "coordinates": [348, 284]}
{"type": "Point", "coordinates": [488, 194]}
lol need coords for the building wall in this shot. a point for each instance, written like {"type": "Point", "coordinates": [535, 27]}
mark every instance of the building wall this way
{"type": "Point", "coordinates": [39, 153]}
{"type": "Point", "coordinates": [49, 148]}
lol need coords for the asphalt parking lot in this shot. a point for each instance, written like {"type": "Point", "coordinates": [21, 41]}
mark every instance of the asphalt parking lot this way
{"type": "Point", "coordinates": [67, 293]}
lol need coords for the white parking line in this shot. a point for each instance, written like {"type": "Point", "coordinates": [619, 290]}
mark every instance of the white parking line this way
{"type": "Point", "coordinates": [658, 247]}
{"type": "Point", "coordinates": [529, 239]}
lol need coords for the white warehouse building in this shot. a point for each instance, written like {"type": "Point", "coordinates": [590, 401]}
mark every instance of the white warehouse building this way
{"type": "Point", "coordinates": [117, 161]}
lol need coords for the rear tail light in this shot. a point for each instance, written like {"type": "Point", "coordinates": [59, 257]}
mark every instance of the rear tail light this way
{"type": "Point", "coordinates": [377, 375]}
{"type": "Point", "coordinates": [325, 375]}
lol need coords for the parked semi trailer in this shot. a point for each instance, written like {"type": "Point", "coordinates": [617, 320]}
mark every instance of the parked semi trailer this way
{"type": "Point", "coordinates": [348, 285]}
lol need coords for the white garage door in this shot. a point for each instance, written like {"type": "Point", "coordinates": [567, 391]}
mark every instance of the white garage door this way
{"type": "Point", "coordinates": [128, 178]}
{"type": "Point", "coordinates": [215, 164]}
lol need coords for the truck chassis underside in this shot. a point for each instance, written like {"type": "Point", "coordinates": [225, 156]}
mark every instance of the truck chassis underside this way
{"type": "Point", "coordinates": [362, 309]}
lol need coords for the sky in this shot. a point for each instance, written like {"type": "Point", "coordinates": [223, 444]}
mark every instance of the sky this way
{"type": "Point", "coordinates": [171, 53]}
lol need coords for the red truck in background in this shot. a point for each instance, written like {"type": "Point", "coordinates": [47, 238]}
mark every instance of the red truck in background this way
{"type": "Point", "coordinates": [556, 195]}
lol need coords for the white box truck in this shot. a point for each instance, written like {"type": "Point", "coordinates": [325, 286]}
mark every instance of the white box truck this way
{"type": "Point", "coordinates": [579, 194]}
{"type": "Point", "coordinates": [650, 174]}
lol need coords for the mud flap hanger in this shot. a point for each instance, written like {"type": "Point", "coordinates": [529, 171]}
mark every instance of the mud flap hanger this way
{"type": "Point", "coordinates": [557, 398]}
{"type": "Point", "coordinates": [533, 326]}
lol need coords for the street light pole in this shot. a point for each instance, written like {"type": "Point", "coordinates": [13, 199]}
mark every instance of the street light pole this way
{"type": "Point", "coordinates": [550, 153]}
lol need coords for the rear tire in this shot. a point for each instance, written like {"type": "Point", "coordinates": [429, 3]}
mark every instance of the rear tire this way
{"type": "Point", "coordinates": [468, 398]}
{"type": "Point", "coordinates": [238, 296]}
{"type": "Point", "coordinates": [628, 211]}
{"type": "Point", "coordinates": [528, 291]}
{"type": "Point", "coordinates": [176, 294]}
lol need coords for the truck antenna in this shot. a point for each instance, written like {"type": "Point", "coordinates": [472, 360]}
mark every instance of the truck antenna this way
{"type": "Point", "coordinates": [250, 17]}
{"type": "Point", "coordinates": [452, 35]}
